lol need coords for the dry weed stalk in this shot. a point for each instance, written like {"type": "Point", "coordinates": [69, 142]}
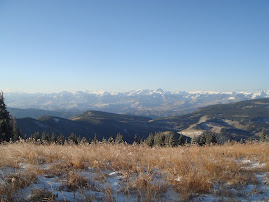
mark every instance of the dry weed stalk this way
{"type": "Point", "coordinates": [200, 168]}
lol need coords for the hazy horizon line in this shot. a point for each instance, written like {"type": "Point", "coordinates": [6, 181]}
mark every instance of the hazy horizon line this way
{"type": "Point", "coordinates": [125, 91]}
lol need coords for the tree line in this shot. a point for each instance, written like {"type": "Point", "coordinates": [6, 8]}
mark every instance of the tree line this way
{"type": "Point", "coordinates": [172, 139]}
{"type": "Point", "coordinates": [46, 138]}
{"type": "Point", "coordinates": [10, 132]}
{"type": "Point", "coordinates": [8, 125]}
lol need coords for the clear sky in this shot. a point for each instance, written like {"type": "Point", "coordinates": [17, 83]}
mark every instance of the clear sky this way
{"type": "Point", "coordinates": [124, 45]}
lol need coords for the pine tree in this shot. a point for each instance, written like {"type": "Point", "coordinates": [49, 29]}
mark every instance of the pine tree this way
{"type": "Point", "coordinates": [61, 139]}
{"type": "Point", "coordinates": [104, 140]}
{"type": "Point", "coordinates": [208, 138]}
{"type": "Point", "coordinates": [16, 132]}
{"type": "Point", "coordinates": [36, 136]}
{"type": "Point", "coordinates": [79, 139]}
{"type": "Point", "coordinates": [172, 140]}
{"type": "Point", "coordinates": [95, 139]}
{"type": "Point", "coordinates": [89, 140]}
{"type": "Point", "coordinates": [202, 140]}
{"type": "Point", "coordinates": [214, 138]}
{"type": "Point", "coordinates": [159, 139]}
{"type": "Point", "coordinates": [150, 140]}
{"type": "Point", "coordinates": [195, 140]}
{"type": "Point", "coordinates": [119, 138]}
{"type": "Point", "coordinates": [263, 136]}
{"type": "Point", "coordinates": [84, 140]}
{"type": "Point", "coordinates": [136, 140]}
{"type": "Point", "coordinates": [53, 138]}
{"type": "Point", "coordinates": [110, 140]}
{"type": "Point", "coordinates": [167, 140]}
{"type": "Point", "coordinates": [181, 140]}
{"type": "Point", "coordinates": [141, 140]}
{"type": "Point", "coordinates": [241, 141]}
{"type": "Point", "coordinates": [6, 132]}
{"type": "Point", "coordinates": [73, 138]}
{"type": "Point", "coordinates": [45, 138]}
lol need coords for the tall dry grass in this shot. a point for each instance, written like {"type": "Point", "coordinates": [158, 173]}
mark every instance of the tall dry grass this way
{"type": "Point", "coordinates": [190, 170]}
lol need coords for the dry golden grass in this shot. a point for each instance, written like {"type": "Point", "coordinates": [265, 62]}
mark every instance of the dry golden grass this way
{"type": "Point", "coordinates": [13, 183]}
{"type": "Point", "coordinates": [200, 168]}
{"type": "Point", "coordinates": [74, 181]}
{"type": "Point", "coordinates": [41, 195]}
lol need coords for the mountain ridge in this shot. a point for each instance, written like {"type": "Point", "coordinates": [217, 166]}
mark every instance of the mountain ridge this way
{"type": "Point", "coordinates": [238, 120]}
{"type": "Point", "coordinates": [89, 124]}
{"type": "Point", "coordinates": [151, 103]}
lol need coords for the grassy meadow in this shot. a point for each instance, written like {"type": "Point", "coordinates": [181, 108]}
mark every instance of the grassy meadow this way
{"type": "Point", "coordinates": [121, 172]}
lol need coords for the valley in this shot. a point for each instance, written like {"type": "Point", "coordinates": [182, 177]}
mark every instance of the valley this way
{"type": "Point", "coordinates": [234, 121]}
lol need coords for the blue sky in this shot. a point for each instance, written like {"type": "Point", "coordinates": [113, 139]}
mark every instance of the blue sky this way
{"type": "Point", "coordinates": [49, 46]}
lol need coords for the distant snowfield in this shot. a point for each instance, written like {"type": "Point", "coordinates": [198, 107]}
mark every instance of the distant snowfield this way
{"type": "Point", "coordinates": [151, 103]}
{"type": "Point", "coordinates": [56, 120]}
{"type": "Point", "coordinates": [103, 185]}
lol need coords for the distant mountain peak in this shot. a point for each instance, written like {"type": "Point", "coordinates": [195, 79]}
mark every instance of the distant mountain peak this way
{"type": "Point", "coordinates": [141, 102]}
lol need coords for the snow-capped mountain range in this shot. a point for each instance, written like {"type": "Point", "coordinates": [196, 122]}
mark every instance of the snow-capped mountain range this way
{"type": "Point", "coordinates": [153, 103]}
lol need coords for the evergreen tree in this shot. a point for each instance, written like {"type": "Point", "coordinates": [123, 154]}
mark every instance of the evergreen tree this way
{"type": "Point", "coordinates": [53, 138]}
{"type": "Point", "coordinates": [45, 138]}
{"type": "Point", "coordinates": [89, 140]}
{"type": "Point", "coordinates": [263, 136]}
{"type": "Point", "coordinates": [159, 139]}
{"type": "Point", "coordinates": [250, 139]}
{"type": "Point", "coordinates": [172, 140]}
{"type": "Point", "coordinates": [241, 141]}
{"type": "Point", "coordinates": [16, 132]}
{"type": "Point", "coordinates": [79, 139]}
{"type": "Point", "coordinates": [141, 140]}
{"type": "Point", "coordinates": [73, 138]}
{"type": "Point", "coordinates": [6, 132]}
{"type": "Point", "coordinates": [36, 136]}
{"type": "Point", "coordinates": [136, 140]}
{"type": "Point", "coordinates": [61, 139]}
{"type": "Point", "coordinates": [195, 140]}
{"type": "Point", "coordinates": [167, 140]}
{"type": "Point", "coordinates": [208, 138]}
{"type": "Point", "coordinates": [95, 139]}
{"type": "Point", "coordinates": [104, 140]}
{"type": "Point", "coordinates": [84, 140]}
{"type": "Point", "coordinates": [119, 138]}
{"type": "Point", "coordinates": [214, 138]}
{"type": "Point", "coordinates": [150, 140]}
{"type": "Point", "coordinates": [110, 140]}
{"type": "Point", "coordinates": [202, 139]}
{"type": "Point", "coordinates": [181, 140]}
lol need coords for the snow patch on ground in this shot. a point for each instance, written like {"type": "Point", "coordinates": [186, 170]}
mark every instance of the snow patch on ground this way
{"type": "Point", "coordinates": [103, 184]}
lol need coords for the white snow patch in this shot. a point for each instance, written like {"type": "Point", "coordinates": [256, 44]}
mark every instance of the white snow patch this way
{"type": "Point", "coordinates": [56, 120]}
{"type": "Point", "coordinates": [178, 179]}
{"type": "Point", "coordinates": [113, 173]}
{"type": "Point", "coordinates": [116, 182]}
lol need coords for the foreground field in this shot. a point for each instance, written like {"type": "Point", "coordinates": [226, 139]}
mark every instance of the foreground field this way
{"type": "Point", "coordinates": [108, 172]}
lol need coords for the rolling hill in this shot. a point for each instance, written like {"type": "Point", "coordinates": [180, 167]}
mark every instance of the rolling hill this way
{"type": "Point", "coordinates": [88, 124]}
{"type": "Point", "coordinates": [36, 113]}
{"type": "Point", "coordinates": [232, 121]}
